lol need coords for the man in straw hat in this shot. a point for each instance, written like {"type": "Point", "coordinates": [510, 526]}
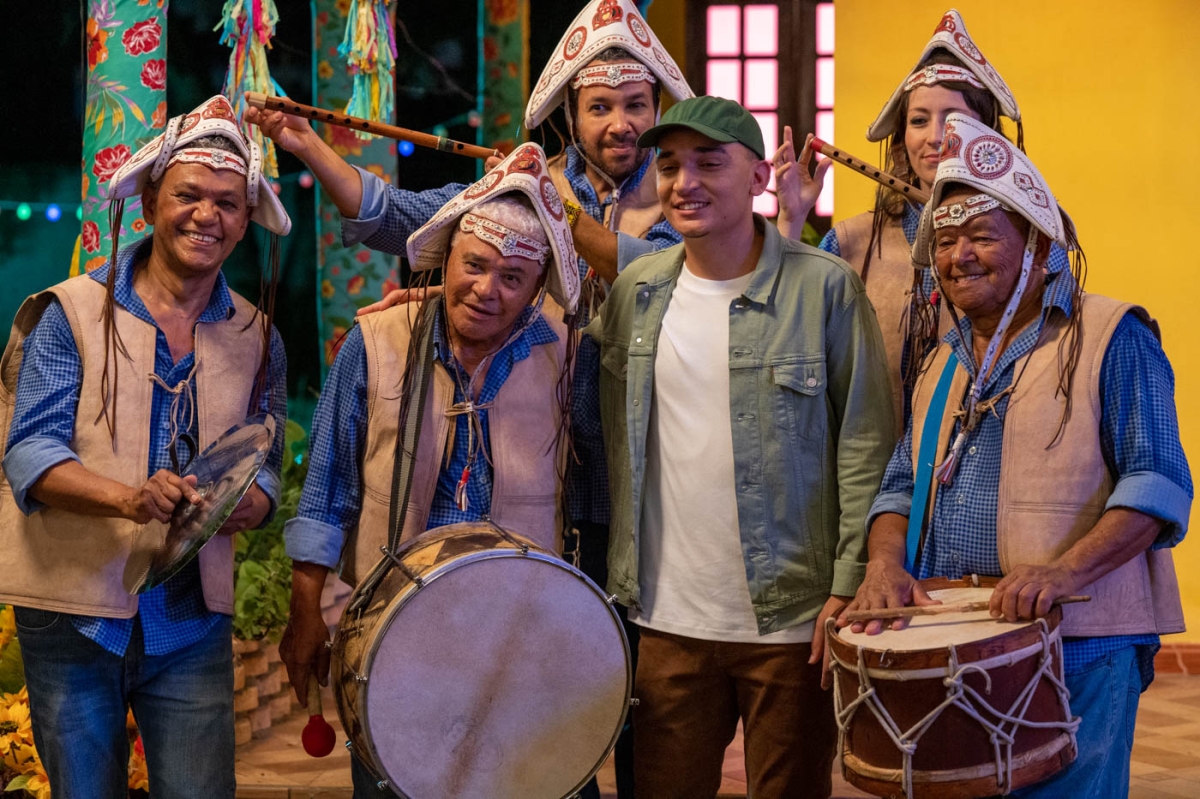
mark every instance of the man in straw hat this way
{"type": "Point", "coordinates": [121, 375]}
{"type": "Point", "coordinates": [1056, 444]}
{"type": "Point", "coordinates": [492, 441]}
{"type": "Point", "coordinates": [745, 402]}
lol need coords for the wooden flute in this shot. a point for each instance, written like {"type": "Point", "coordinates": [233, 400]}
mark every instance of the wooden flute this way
{"type": "Point", "coordinates": [271, 103]}
{"type": "Point", "coordinates": [937, 610]}
{"type": "Point", "coordinates": [875, 174]}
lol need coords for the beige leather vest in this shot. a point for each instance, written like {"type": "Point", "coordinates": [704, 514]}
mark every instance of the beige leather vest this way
{"type": "Point", "coordinates": [636, 212]}
{"type": "Point", "coordinates": [523, 424]}
{"type": "Point", "coordinates": [889, 288]}
{"type": "Point", "coordinates": [61, 561]}
{"type": "Point", "coordinates": [1052, 495]}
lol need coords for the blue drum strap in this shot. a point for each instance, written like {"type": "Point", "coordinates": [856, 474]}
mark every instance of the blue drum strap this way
{"type": "Point", "coordinates": [925, 459]}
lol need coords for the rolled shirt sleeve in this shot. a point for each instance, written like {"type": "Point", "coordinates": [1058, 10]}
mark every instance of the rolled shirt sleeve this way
{"type": "Point", "coordinates": [388, 215]}
{"type": "Point", "coordinates": [1139, 430]}
{"type": "Point", "coordinates": [332, 497]}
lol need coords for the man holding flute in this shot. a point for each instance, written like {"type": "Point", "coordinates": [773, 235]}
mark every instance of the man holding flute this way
{"type": "Point", "coordinates": [1049, 415]}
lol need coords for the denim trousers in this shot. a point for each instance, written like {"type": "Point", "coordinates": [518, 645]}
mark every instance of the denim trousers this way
{"type": "Point", "coordinates": [79, 693]}
{"type": "Point", "coordinates": [1105, 696]}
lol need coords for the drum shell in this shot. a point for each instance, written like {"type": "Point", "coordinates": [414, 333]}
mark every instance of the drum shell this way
{"type": "Point", "coordinates": [431, 557]}
{"type": "Point", "coordinates": [954, 744]}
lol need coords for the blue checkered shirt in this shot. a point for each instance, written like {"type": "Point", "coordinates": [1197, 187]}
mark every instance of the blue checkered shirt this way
{"type": "Point", "coordinates": [332, 497]}
{"type": "Point", "coordinates": [1139, 435]}
{"type": "Point", "coordinates": [173, 615]}
{"type": "Point", "coordinates": [389, 215]}
{"type": "Point", "coordinates": [1055, 263]}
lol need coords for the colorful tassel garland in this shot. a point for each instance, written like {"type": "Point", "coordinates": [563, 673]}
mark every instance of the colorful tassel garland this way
{"type": "Point", "coordinates": [247, 26]}
{"type": "Point", "coordinates": [369, 48]}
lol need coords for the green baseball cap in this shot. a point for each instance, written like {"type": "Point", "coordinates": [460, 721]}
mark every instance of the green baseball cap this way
{"type": "Point", "coordinates": [717, 118]}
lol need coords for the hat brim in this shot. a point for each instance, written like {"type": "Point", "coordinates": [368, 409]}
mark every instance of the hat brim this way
{"type": "Point", "coordinates": [652, 136]}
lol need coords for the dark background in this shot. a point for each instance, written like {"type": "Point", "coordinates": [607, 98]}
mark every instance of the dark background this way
{"type": "Point", "coordinates": [41, 132]}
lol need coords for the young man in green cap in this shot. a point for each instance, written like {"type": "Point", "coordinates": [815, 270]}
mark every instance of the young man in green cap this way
{"type": "Point", "coordinates": [747, 416]}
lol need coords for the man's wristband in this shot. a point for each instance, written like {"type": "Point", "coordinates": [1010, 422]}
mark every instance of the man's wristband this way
{"type": "Point", "coordinates": [573, 212]}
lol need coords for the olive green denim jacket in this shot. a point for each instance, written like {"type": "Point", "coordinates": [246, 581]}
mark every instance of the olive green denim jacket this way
{"type": "Point", "coordinates": [810, 411]}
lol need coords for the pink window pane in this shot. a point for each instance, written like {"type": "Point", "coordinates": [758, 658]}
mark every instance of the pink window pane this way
{"type": "Point", "coordinates": [724, 30]}
{"type": "Point", "coordinates": [766, 204]}
{"type": "Point", "coordinates": [825, 132]}
{"type": "Point", "coordinates": [825, 29]}
{"type": "Point", "coordinates": [762, 84]}
{"type": "Point", "coordinates": [762, 30]}
{"type": "Point", "coordinates": [824, 83]}
{"type": "Point", "coordinates": [725, 79]}
{"type": "Point", "coordinates": [769, 125]}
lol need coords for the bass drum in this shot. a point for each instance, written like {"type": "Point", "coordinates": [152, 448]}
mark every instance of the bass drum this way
{"type": "Point", "coordinates": [482, 666]}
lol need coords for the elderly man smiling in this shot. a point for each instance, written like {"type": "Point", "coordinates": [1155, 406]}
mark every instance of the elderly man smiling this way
{"type": "Point", "coordinates": [1057, 447]}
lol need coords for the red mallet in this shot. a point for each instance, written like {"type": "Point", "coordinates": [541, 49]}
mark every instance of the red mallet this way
{"type": "Point", "coordinates": [318, 737]}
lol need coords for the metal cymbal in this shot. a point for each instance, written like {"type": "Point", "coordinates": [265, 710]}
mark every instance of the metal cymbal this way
{"type": "Point", "coordinates": [224, 472]}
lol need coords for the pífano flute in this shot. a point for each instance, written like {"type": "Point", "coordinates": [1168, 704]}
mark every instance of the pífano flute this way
{"type": "Point", "coordinates": [271, 103]}
{"type": "Point", "coordinates": [875, 174]}
{"type": "Point", "coordinates": [936, 610]}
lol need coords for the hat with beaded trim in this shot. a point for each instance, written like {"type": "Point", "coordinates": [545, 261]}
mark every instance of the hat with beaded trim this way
{"type": "Point", "coordinates": [213, 117]}
{"type": "Point", "coordinates": [950, 35]}
{"type": "Point", "coordinates": [973, 154]}
{"type": "Point", "coordinates": [600, 25]}
{"type": "Point", "coordinates": [524, 172]}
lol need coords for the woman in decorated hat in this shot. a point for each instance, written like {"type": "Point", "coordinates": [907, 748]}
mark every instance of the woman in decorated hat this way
{"type": "Point", "coordinates": [951, 75]}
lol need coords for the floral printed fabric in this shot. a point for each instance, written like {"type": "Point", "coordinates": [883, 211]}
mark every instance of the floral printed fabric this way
{"type": "Point", "coordinates": [126, 107]}
{"type": "Point", "coordinates": [350, 277]}
{"type": "Point", "coordinates": [506, 69]}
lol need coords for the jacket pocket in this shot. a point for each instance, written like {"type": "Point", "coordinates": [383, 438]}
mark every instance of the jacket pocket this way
{"type": "Point", "coordinates": [800, 397]}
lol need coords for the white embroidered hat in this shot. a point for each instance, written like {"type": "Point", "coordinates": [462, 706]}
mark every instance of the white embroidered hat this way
{"type": "Point", "coordinates": [523, 172]}
{"type": "Point", "coordinates": [602, 24]}
{"type": "Point", "coordinates": [975, 155]}
{"type": "Point", "coordinates": [950, 35]}
{"type": "Point", "coordinates": [212, 118]}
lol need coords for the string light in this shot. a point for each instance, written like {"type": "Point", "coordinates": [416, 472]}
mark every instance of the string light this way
{"type": "Point", "coordinates": [24, 211]}
{"type": "Point", "coordinates": [53, 212]}
{"type": "Point", "coordinates": [405, 148]}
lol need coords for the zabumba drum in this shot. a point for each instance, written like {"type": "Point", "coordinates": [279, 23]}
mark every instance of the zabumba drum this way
{"type": "Point", "coordinates": [955, 705]}
{"type": "Point", "coordinates": [481, 666]}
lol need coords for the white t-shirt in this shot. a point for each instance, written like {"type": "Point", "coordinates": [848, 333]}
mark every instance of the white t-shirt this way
{"type": "Point", "coordinates": [692, 570]}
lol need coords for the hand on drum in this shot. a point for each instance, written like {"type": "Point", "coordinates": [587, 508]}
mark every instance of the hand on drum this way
{"type": "Point", "coordinates": [887, 585]}
{"type": "Point", "coordinates": [796, 189]}
{"type": "Point", "coordinates": [1028, 591]}
{"type": "Point", "coordinates": [820, 652]}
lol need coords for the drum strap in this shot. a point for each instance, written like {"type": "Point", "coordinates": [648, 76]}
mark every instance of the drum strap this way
{"type": "Point", "coordinates": [411, 413]}
{"type": "Point", "coordinates": [412, 409]}
{"type": "Point", "coordinates": [929, 441]}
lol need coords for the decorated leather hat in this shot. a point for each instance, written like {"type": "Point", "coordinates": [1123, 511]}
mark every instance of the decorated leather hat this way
{"type": "Point", "coordinates": [600, 25]}
{"type": "Point", "coordinates": [950, 35]}
{"type": "Point", "coordinates": [973, 154]}
{"type": "Point", "coordinates": [214, 117]}
{"type": "Point", "coordinates": [524, 172]}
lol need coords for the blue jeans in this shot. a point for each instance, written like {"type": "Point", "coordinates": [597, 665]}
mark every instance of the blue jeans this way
{"type": "Point", "coordinates": [79, 693]}
{"type": "Point", "coordinates": [1105, 696]}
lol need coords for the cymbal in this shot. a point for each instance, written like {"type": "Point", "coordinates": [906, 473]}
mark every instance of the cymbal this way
{"type": "Point", "coordinates": [224, 472]}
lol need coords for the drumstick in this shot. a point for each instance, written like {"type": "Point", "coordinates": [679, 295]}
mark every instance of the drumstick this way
{"type": "Point", "coordinates": [935, 610]}
{"type": "Point", "coordinates": [875, 174]}
{"type": "Point", "coordinates": [317, 737]}
{"type": "Point", "coordinates": [271, 103]}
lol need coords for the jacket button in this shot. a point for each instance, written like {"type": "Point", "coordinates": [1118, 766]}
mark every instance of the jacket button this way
{"type": "Point", "coordinates": [645, 294]}
{"type": "Point", "coordinates": [638, 340]}
{"type": "Point", "coordinates": [637, 402]}
{"type": "Point", "coordinates": [812, 381]}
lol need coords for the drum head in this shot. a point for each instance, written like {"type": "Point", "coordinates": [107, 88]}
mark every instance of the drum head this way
{"type": "Point", "coordinates": [504, 676]}
{"type": "Point", "coordinates": [933, 632]}
{"type": "Point", "coordinates": [224, 472]}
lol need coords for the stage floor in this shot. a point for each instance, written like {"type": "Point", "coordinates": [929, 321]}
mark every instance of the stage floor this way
{"type": "Point", "coordinates": [1166, 755]}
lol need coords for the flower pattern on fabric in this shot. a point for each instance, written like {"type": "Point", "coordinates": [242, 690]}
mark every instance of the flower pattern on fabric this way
{"type": "Point", "coordinates": [504, 46]}
{"type": "Point", "coordinates": [126, 105]}
{"type": "Point", "coordinates": [154, 74]}
{"type": "Point", "coordinates": [109, 160]}
{"type": "Point", "coordinates": [141, 38]}
{"type": "Point", "coordinates": [350, 277]}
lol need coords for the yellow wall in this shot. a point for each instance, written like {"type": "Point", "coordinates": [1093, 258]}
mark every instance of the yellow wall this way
{"type": "Point", "coordinates": [1110, 96]}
